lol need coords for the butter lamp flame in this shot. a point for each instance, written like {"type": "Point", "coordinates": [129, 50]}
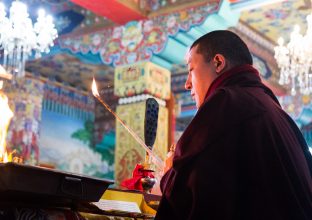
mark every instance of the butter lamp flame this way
{"type": "Point", "coordinates": [6, 115]}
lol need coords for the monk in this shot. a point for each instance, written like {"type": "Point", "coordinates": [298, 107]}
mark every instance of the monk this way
{"type": "Point", "coordinates": [241, 157]}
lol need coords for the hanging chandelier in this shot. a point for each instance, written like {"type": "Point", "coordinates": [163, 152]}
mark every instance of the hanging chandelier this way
{"type": "Point", "coordinates": [20, 39]}
{"type": "Point", "coordinates": [295, 60]}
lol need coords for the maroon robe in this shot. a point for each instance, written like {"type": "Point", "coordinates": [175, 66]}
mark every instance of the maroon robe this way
{"type": "Point", "coordinates": [242, 157]}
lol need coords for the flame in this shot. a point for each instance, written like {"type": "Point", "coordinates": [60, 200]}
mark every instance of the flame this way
{"type": "Point", "coordinates": [6, 115]}
{"type": "Point", "coordinates": [5, 157]}
{"type": "Point", "coordinates": [94, 88]}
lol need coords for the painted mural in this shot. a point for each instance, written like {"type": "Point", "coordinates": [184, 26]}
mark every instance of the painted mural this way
{"type": "Point", "coordinates": [66, 144]}
{"type": "Point", "coordinates": [25, 98]}
{"type": "Point", "coordinates": [137, 40]}
{"type": "Point", "coordinates": [66, 134]}
{"type": "Point", "coordinates": [270, 20]}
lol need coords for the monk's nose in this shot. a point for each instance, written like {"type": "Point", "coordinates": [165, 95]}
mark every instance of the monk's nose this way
{"type": "Point", "coordinates": [188, 83]}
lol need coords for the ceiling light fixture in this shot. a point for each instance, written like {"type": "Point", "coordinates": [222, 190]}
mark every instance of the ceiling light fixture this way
{"type": "Point", "coordinates": [19, 38]}
{"type": "Point", "coordinates": [295, 60]}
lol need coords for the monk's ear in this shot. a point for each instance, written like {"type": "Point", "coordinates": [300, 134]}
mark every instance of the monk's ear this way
{"type": "Point", "coordinates": [219, 62]}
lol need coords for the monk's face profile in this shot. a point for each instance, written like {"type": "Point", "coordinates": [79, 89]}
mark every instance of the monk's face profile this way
{"type": "Point", "coordinates": [201, 74]}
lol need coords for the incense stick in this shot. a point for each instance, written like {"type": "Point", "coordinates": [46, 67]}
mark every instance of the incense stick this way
{"type": "Point", "coordinates": [158, 162]}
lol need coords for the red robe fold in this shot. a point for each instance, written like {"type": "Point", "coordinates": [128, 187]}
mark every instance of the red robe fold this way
{"type": "Point", "coordinates": [241, 157]}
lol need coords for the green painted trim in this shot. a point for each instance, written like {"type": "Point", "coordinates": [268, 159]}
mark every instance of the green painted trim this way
{"type": "Point", "coordinates": [185, 39]}
{"type": "Point", "coordinates": [161, 62]}
{"type": "Point", "coordinates": [230, 16]}
{"type": "Point", "coordinates": [174, 51]}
